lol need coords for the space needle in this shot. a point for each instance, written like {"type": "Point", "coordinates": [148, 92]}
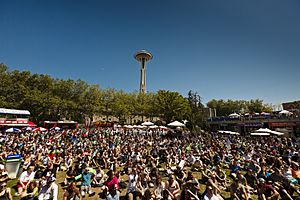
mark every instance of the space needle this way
{"type": "Point", "coordinates": [143, 56]}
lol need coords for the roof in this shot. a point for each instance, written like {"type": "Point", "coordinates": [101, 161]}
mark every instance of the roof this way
{"type": "Point", "coordinates": [14, 111]}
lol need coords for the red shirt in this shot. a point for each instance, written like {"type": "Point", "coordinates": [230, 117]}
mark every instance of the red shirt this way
{"type": "Point", "coordinates": [110, 184]}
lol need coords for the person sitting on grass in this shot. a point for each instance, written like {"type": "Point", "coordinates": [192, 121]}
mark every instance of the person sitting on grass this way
{"type": "Point", "coordinates": [114, 193]}
{"type": "Point", "coordinates": [24, 180]}
{"type": "Point", "coordinates": [31, 193]}
{"type": "Point", "coordinates": [221, 176]}
{"type": "Point", "coordinates": [50, 190]}
{"type": "Point", "coordinates": [266, 190]}
{"type": "Point", "coordinates": [5, 192]}
{"type": "Point", "coordinates": [72, 193]}
{"type": "Point", "coordinates": [173, 188]}
{"type": "Point", "coordinates": [238, 190]}
{"type": "Point", "coordinates": [159, 188]}
{"type": "Point", "coordinates": [210, 194]}
{"type": "Point", "coordinates": [190, 187]}
{"type": "Point", "coordinates": [100, 177]}
{"type": "Point", "coordinates": [110, 182]}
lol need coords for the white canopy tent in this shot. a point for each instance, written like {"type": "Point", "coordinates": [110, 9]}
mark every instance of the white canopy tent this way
{"type": "Point", "coordinates": [147, 124]}
{"type": "Point", "coordinates": [28, 128]}
{"type": "Point", "coordinates": [229, 132]}
{"type": "Point", "coordinates": [176, 124]}
{"type": "Point", "coordinates": [163, 127]}
{"type": "Point", "coordinates": [234, 115]}
{"type": "Point", "coordinates": [277, 133]}
{"type": "Point", "coordinates": [266, 130]}
{"type": "Point", "coordinates": [285, 112]}
{"type": "Point", "coordinates": [260, 134]}
{"type": "Point", "coordinates": [263, 130]}
{"type": "Point", "coordinates": [128, 126]}
{"type": "Point", "coordinates": [13, 130]}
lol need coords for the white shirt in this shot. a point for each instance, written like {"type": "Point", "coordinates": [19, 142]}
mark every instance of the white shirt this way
{"type": "Point", "coordinates": [48, 193]}
{"type": "Point", "coordinates": [132, 179]}
{"type": "Point", "coordinates": [213, 197]}
{"type": "Point", "coordinates": [25, 177]}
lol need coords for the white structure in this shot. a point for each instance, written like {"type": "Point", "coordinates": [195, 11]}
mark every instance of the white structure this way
{"type": "Point", "coordinates": [143, 56]}
{"type": "Point", "coordinates": [176, 124]}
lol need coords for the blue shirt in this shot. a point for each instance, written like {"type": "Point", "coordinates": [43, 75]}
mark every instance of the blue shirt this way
{"type": "Point", "coordinates": [86, 178]}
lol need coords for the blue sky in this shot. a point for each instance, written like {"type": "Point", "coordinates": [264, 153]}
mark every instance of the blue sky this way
{"type": "Point", "coordinates": [233, 49]}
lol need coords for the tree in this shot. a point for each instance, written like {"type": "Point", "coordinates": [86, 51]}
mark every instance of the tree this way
{"type": "Point", "coordinates": [108, 97]}
{"type": "Point", "coordinates": [195, 116]}
{"type": "Point", "coordinates": [225, 108]}
{"type": "Point", "coordinates": [171, 105]}
{"type": "Point", "coordinates": [257, 106]}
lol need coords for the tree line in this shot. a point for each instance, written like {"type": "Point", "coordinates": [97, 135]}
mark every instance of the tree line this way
{"type": "Point", "coordinates": [48, 98]}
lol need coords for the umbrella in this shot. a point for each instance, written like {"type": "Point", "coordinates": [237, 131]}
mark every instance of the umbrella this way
{"type": "Point", "coordinates": [277, 133]}
{"type": "Point", "coordinates": [176, 123]}
{"type": "Point", "coordinates": [266, 130]}
{"type": "Point", "coordinates": [259, 134]}
{"type": "Point", "coordinates": [13, 130]}
{"type": "Point", "coordinates": [128, 126]}
{"type": "Point", "coordinates": [285, 112]}
{"type": "Point", "coordinates": [40, 129]}
{"type": "Point", "coordinates": [265, 113]}
{"type": "Point", "coordinates": [147, 124]}
{"type": "Point", "coordinates": [139, 126]}
{"type": "Point", "coordinates": [163, 127]}
{"type": "Point", "coordinates": [234, 115]}
{"type": "Point", "coordinates": [56, 128]}
{"type": "Point", "coordinates": [224, 132]}
{"type": "Point", "coordinates": [28, 128]}
{"type": "Point", "coordinates": [229, 132]}
{"type": "Point", "coordinates": [154, 126]}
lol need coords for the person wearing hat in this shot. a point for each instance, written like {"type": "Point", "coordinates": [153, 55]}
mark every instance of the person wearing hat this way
{"type": "Point", "coordinates": [50, 190]}
{"type": "Point", "coordinates": [266, 190]}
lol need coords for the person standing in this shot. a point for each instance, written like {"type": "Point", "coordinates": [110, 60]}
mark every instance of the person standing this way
{"type": "Point", "coordinates": [86, 182]}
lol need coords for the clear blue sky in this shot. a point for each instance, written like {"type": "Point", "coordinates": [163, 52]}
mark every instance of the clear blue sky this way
{"type": "Point", "coordinates": [233, 49]}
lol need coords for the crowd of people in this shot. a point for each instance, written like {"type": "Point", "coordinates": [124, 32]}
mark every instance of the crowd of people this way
{"type": "Point", "coordinates": [146, 164]}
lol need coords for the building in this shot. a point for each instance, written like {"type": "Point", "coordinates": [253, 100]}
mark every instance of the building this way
{"type": "Point", "coordinates": [291, 106]}
{"type": "Point", "coordinates": [14, 118]}
{"type": "Point", "coordinates": [102, 119]}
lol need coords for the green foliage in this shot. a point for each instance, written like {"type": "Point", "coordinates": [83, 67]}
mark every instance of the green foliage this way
{"type": "Point", "coordinates": [171, 105]}
{"type": "Point", "coordinates": [196, 116]}
{"type": "Point", "coordinates": [48, 98]}
{"type": "Point", "coordinates": [225, 108]}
